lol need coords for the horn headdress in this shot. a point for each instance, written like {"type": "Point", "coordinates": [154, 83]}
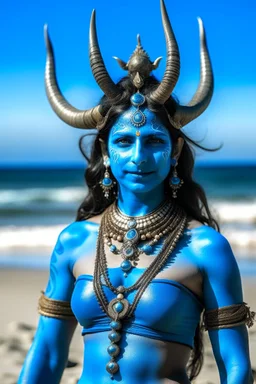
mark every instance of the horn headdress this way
{"type": "Point", "coordinates": [139, 68]}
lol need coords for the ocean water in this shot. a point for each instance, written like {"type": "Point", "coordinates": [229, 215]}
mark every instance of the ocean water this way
{"type": "Point", "coordinates": [35, 205]}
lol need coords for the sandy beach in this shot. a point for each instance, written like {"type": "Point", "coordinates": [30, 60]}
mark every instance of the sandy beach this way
{"type": "Point", "coordinates": [19, 292]}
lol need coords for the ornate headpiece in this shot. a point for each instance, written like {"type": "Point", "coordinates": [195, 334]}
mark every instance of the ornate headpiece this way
{"type": "Point", "coordinates": [139, 68]}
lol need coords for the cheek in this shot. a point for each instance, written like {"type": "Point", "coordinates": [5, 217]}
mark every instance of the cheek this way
{"type": "Point", "coordinates": [114, 155]}
{"type": "Point", "coordinates": [163, 161]}
{"type": "Point", "coordinates": [166, 154]}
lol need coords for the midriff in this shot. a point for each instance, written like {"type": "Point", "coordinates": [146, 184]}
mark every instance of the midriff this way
{"type": "Point", "coordinates": [142, 360]}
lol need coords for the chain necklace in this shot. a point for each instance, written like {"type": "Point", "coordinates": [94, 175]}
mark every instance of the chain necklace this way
{"type": "Point", "coordinates": [119, 308]}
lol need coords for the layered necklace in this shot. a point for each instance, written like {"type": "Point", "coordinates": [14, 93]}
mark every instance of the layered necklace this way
{"type": "Point", "coordinates": [168, 222]}
{"type": "Point", "coordinates": [130, 231]}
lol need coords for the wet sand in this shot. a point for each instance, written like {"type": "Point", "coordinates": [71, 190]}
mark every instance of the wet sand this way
{"type": "Point", "coordinates": [19, 293]}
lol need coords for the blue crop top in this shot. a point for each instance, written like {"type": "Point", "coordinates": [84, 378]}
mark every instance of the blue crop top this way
{"type": "Point", "coordinates": [166, 311]}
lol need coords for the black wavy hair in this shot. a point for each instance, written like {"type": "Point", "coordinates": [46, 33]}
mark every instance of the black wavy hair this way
{"type": "Point", "coordinates": [191, 196]}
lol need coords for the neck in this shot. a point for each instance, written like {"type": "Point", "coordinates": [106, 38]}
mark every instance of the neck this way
{"type": "Point", "coordinates": [140, 204]}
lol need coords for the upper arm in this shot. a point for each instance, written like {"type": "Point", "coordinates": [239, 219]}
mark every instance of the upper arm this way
{"type": "Point", "coordinates": [61, 284]}
{"type": "Point", "coordinates": [61, 280]}
{"type": "Point", "coordinates": [48, 354]}
{"type": "Point", "coordinates": [222, 282]}
{"type": "Point", "coordinates": [222, 287]}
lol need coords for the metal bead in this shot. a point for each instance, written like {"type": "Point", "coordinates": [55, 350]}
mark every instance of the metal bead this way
{"type": "Point", "coordinates": [114, 336]}
{"type": "Point", "coordinates": [120, 296]}
{"type": "Point", "coordinates": [119, 238]}
{"type": "Point", "coordinates": [116, 325]}
{"type": "Point", "coordinates": [114, 237]}
{"type": "Point", "coordinates": [113, 350]}
{"type": "Point", "coordinates": [148, 235]}
{"type": "Point", "coordinates": [121, 289]}
{"type": "Point", "coordinates": [118, 307]}
{"type": "Point", "coordinates": [112, 367]}
{"type": "Point", "coordinates": [143, 237]}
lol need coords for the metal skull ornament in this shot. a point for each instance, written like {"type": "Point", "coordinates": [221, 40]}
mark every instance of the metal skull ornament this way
{"type": "Point", "coordinates": [139, 65]}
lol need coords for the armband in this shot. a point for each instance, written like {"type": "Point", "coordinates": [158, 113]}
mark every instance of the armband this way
{"type": "Point", "coordinates": [55, 308]}
{"type": "Point", "coordinates": [228, 316]}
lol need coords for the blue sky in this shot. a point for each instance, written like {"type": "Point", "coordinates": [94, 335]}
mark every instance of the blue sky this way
{"type": "Point", "coordinates": [30, 131]}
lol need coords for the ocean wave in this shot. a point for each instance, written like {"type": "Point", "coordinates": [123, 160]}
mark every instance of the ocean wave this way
{"type": "Point", "coordinates": [65, 200]}
{"type": "Point", "coordinates": [59, 201]}
{"type": "Point", "coordinates": [46, 236]}
{"type": "Point", "coordinates": [23, 197]}
{"type": "Point", "coordinates": [29, 237]}
{"type": "Point", "coordinates": [235, 211]}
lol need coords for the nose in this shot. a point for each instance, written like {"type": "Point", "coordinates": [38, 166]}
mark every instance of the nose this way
{"type": "Point", "coordinates": [139, 162]}
{"type": "Point", "coordinates": [139, 155]}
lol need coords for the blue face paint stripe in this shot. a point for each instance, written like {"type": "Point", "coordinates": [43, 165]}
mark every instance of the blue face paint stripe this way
{"type": "Point", "coordinates": [114, 154]}
{"type": "Point", "coordinates": [167, 153]}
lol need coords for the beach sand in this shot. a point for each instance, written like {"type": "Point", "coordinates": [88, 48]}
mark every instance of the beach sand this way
{"type": "Point", "coordinates": [19, 293]}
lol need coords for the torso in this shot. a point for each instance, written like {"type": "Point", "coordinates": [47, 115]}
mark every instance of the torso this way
{"type": "Point", "coordinates": [167, 360]}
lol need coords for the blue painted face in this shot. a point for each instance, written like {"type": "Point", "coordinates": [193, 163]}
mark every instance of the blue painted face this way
{"type": "Point", "coordinates": [140, 158]}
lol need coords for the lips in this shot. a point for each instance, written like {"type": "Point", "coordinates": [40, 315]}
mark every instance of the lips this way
{"type": "Point", "coordinates": [138, 173]}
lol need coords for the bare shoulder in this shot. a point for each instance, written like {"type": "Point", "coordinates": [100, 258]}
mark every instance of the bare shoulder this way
{"type": "Point", "coordinates": [210, 247]}
{"type": "Point", "coordinates": [77, 232]}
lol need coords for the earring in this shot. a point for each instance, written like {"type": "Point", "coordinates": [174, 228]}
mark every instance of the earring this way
{"type": "Point", "coordinates": [106, 183]}
{"type": "Point", "coordinates": [175, 182]}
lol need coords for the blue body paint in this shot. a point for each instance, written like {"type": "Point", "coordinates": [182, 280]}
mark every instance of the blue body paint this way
{"type": "Point", "coordinates": [140, 164]}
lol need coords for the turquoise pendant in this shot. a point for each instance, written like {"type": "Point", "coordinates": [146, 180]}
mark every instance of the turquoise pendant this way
{"type": "Point", "coordinates": [126, 265]}
{"type": "Point", "coordinates": [131, 235]}
{"type": "Point", "coordinates": [128, 251]}
{"type": "Point", "coordinates": [147, 249]}
{"type": "Point", "coordinates": [137, 99]}
{"type": "Point", "coordinates": [138, 119]}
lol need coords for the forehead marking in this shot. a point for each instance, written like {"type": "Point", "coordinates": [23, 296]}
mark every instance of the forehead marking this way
{"type": "Point", "coordinates": [124, 127]}
{"type": "Point", "coordinates": [156, 126]}
{"type": "Point", "coordinates": [121, 127]}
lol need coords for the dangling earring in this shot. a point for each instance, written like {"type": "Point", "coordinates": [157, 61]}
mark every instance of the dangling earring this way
{"type": "Point", "coordinates": [175, 182]}
{"type": "Point", "coordinates": [106, 183]}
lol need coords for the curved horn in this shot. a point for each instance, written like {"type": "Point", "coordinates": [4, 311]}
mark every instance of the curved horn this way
{"type": "Point", "coordinates": [172, 70]}
{"type": "Point", "coordinates": [97, 64]}
{"type": "Point", "coordinates": [70, 115]}
{"type": "Point", "coordinates": [203, 95]}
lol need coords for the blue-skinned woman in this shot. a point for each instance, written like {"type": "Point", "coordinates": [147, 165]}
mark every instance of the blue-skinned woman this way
{"type": "Point", "coordinates": [144, 259]}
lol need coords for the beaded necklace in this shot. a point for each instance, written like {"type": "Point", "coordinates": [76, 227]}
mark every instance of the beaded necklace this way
{"type": "Point", "coordinates": [130, 230]}
{"type": "Point", "coordinates": [119, 308]}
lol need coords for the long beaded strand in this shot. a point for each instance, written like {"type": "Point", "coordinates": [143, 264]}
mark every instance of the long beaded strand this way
{"type": "Point", "coordinates": [119, 307]}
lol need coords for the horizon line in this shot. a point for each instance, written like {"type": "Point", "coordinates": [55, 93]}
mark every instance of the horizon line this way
{"type": "Point", "coordinates": [79, 165]}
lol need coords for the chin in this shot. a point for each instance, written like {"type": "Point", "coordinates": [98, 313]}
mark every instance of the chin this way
{"type": "Point", "coordinates": [140, 187]}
